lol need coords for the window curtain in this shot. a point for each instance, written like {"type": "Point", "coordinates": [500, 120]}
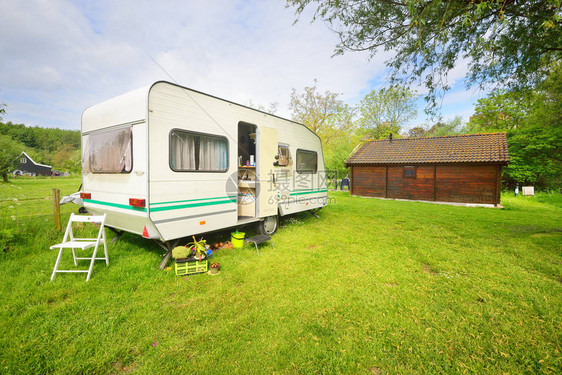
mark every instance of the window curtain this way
{"type": "Point", "coordinates": [183, 152]}
{"type": "Point", "coordinates": [108, 152]}
{"type": "Point", "coordinates": [212, 154]}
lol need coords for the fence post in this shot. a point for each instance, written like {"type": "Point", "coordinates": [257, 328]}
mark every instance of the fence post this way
{"type": "Point", "coordinates": [56, 209]}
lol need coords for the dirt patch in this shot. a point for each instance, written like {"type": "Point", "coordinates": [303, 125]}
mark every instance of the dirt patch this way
{"type": "Point", "coordinates": [124, 369]}
{"type": "Point", "coordinates": [551, 233]}
{"type": "Point", "coordinates": [375, 370]}
{"type": "Point", "coordinates": [427, 268]}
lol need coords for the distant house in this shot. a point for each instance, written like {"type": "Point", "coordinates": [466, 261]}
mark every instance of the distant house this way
{"type": "Point", "coordinates": [461, 168]}
{"type": "Point", "coordinates": [26, 165]}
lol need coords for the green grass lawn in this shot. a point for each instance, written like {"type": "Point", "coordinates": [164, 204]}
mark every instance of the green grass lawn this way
{"type": "Point", "coordinates": [373, 286]}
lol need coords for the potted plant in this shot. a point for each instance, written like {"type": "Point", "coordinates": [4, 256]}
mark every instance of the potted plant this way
{"type": "Point", "coordinates": [215, 268]}
{"type": "Point", "coordinates": [198, 248]}
{"type": "Point", "coordinates": [191, 258]}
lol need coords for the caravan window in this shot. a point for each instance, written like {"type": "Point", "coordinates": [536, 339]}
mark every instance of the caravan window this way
{"type": "Point", "coordinates": [284, 155]}
{"type": "Point", "coordinates": [307, 161]}
{"type": "Point", "coordinates": [109, 151]}
{"type": "Point", "coordinates": [196, 152]}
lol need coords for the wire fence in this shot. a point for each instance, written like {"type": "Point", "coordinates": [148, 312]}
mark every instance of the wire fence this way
{"type": "Point", "coordinates": [22, 213]}
{"type": "Point", "coordinates": [27, 204]}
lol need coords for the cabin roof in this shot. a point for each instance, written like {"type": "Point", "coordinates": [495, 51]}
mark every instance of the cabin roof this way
{"type": "Point", "coordinates": [29, 157]}
{"type": "Point", "coordinates": [466, 148]}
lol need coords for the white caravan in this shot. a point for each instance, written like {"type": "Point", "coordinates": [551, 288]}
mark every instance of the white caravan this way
{"type": "Point", "coordinates": [167, 162]}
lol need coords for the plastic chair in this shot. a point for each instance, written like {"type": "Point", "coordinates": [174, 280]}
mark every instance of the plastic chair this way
{"type": "Point", "coordinates": [70, 242]}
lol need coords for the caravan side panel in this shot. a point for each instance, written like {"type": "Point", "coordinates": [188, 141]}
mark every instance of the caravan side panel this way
{"type": "Point", "coordinates": [110, 192]}
{"type": "Point", "coordinates": [183, 203]}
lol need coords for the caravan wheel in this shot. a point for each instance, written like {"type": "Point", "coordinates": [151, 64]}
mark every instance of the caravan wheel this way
{"type": "Point", "coordinates": [268, 225]}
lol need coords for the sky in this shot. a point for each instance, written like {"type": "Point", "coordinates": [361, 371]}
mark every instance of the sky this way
{"type": "Point", "coordinates": [60, 57]}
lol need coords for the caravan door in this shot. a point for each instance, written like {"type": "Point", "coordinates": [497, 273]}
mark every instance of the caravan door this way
{"type": "Point", "coordinates": [265, 171]}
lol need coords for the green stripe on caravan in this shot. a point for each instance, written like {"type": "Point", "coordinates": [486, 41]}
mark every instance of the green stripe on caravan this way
{"type": "Point", "coordinates": [126, 207]}
{"type": "Point", "coordinates": [308, 191]}
{"type": "Point", "coordinates": [197, 204]}
{"type": "Point", "coordinates": [192, 200]}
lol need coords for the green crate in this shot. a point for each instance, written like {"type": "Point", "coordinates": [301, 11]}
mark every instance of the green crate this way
{"type": "Point", "coordinates": [192, 268]}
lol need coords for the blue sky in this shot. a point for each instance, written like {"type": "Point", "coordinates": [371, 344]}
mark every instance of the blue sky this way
{"type": "Point", "coordinates": [60, 57]}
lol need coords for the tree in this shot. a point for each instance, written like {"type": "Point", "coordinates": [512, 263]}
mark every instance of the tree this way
{"type": "Point", "coordinates": [440, 128]}
{"type": "Point", "coordinates": [271, 109]}
{"type": "Point", "coordinates": [508, 42]}
{"type": "Point", "coordinates": [9, 151]}
{"type": "Point", "coordinates": [2, 110]}
{"type": "Point", "coordinates": [533, 122]}
{"type": "Point", "coordinates": [500, 110]}
{"type": "Point", "coordinates": [450, 127]}
{"type": "Point", "coordinates": [416, 132]}
{"type": "Point", "coordinates": [324, 114]}
{"type": "Point", "coordinates": [385, 111]}
{"type": "Point", "coordinates": [63, 156]}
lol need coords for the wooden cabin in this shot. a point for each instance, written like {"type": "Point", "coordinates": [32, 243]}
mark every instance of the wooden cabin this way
{"type": "Point", "coordinates": [26, 165]}
{"type": "Point", "coordinates": [459, 168]}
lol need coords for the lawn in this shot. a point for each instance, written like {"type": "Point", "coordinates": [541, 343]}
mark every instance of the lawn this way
{"type": "Point", "coordinates": [373, 286]}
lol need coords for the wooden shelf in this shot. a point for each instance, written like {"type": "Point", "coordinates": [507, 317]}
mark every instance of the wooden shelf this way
{"type": "Point", "coordinates": [246, 184]}
{"type": "Point", "coordinates": [246, 167]}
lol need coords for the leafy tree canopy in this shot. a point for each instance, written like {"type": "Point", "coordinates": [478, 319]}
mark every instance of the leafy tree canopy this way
{"type": "Point", "coordinates": [533, 121]}
{"type": "Point", "coordinates": [385, 111]}
{"type": "Point", "coordinates": [439, 129]}
{"type": "Point", "coordinates": [330, 118]}
{"type": "Point", "coordinates": [507, 42]}
{"type": "Point", "coordinates": [271, 109]}
{"type": "Point", "coordinates": [325, 114]}
{"type": "Point", "coordinates": [9, 151]}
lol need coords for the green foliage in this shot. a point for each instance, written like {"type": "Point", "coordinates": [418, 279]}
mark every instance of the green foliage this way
{"type": "Point", "coordinates": [57, 147]}
{"type": "Point", "coordinates": [500, 111]}
{"type": "Point", "coordinates": [9, 151]}
{"type": "Point", "coordinates": [533, 121]}
{"type": "Point", "coordinates": [197, 247]}
{"type": "Point", "coordinates": [511, 43]}
{"type": "Point", "coordinates": [324, 114]}
{"type": "Point", "coordinates": [180, 252]}
{"type": "Point", "coordinates": [451, 127]}
{"type": "Point", "coordinates": [8, 237]}
{"type": "Point", "coordinates": [385, 111]}
{"type": "Point", "coordinates": [331, 119]}
{"type": "Point", "coordinates": [337, 153]}
{"type": "Point", "coordinates": [341, 127]}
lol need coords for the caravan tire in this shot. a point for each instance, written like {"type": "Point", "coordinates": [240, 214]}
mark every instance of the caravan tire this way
{"type": "Point", "coordinates": [268, 225]}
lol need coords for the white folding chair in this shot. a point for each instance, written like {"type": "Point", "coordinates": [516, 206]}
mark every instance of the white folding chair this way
{"type": "Point", "coordinates": [71, 242]}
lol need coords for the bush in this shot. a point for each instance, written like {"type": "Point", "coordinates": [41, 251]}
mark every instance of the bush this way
{"type": "Point", "coordinates": [7, 238]}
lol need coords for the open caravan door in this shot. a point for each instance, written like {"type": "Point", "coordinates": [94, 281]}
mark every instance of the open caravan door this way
{"type": "Point", "coordinates": [265, 172]}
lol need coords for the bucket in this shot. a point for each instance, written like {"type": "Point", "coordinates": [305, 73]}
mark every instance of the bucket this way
{"type": "Point", "coordinates": [237, 239]}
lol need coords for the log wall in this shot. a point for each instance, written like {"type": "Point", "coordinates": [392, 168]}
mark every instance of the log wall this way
{"type": "Point", "coordinates": [464, 183]}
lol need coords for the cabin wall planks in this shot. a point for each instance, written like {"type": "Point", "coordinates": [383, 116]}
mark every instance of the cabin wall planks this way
{"type": "Point", "coordinates": [463, 183]}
